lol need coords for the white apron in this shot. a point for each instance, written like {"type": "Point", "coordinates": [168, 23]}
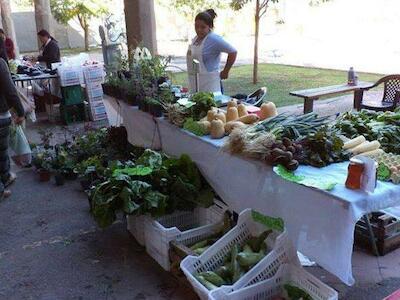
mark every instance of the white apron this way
{"type": "Point", "coordinates": [208, 81]}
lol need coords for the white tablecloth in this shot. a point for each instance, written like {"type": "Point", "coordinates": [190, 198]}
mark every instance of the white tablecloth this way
{"type": "Point", "coordinates": [321, 224]}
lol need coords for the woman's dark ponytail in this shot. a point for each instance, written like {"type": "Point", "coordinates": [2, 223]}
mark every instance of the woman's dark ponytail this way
{"type": "Point", "coordinates": [207, 17]}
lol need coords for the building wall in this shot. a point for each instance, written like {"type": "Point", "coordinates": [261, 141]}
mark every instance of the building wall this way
{"type": "Point", "coordinates": [67, 36]}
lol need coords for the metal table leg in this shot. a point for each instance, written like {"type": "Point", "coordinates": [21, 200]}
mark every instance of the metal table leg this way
{"type": "Point", "coordinates": [371, 235]}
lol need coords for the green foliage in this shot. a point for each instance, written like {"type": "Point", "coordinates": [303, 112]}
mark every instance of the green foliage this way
{"type": "Point", "coordinates": [194, 127]}
{"type": "Point", "coordinates": [83, 10]}
{"type": "Point", "coordinates": [189, 8]}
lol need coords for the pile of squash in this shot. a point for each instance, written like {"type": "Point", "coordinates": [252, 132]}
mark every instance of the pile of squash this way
{"type": "Point", "coordinates": [219, 123]}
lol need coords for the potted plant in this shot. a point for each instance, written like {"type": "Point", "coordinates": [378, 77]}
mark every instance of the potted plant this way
{"type": "Point", "coordinates": [155, 108]}
{"type": "Point", "coordinates": [89, 171]}
{"type": "Point", "coordinates": [45, 168]}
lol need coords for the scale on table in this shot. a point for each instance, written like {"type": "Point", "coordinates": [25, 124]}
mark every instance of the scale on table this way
{"type": "Point", "coordinates": [220, 99]}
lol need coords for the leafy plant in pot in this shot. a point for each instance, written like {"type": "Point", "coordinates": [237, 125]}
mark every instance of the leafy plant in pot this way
{"type": "Point", "coordinates": [155, 107]}
{"type": "Point", "coordinates": [43, 163]}
{"type": "Point", "coordinates": [90, 170]}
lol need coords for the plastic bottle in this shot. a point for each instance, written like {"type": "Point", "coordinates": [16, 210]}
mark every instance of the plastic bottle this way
{"type": "Point", "coordinates": [351, 76]}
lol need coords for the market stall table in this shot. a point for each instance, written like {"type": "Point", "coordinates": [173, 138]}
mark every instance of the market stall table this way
{"type": "Point", "coordinates": [22, 78]}
{"type": "Point", "coordinates": [320, 223]}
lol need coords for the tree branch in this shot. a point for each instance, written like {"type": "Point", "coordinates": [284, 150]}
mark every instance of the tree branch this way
{"type": "Point", "coordinates": [263, 8]}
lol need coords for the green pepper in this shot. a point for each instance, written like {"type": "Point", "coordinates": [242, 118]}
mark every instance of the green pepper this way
{"type": "Point", "coordinates": [224, 272]}
{"type": "Point", "coordinates": [200, 244]}
{"type": "Point", "coordinates": [206, 283]}
{"type": "Point", "coordinates": [247, 249]}
{"type": "Point", "coordinates": [248, 260]}
{"type": "Point", "coordinates": [256, 242]}
{"type": "Point", "coordinates": [236, 271]}
{"type": "Point", "coordinates": [212, 277]}
{"type": "Point", "coordinates": [200, 251]}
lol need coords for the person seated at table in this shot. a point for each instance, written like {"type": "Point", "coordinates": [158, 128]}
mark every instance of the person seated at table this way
{"type": "Point", "coordinates": [9, 44]}
{"type": "Point", "coordinates": [50, 52]}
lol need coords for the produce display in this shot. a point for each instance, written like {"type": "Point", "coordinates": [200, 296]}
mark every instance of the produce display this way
{"type": "Point", "coordinates": [360, 146]}
{"type": "Point", "coordinates": [240, 260]}
{"type": "Point", "coordinates": [382, 127]}
{"type": "Point", "coordinates": [288, 141]}
{"type": "Point", "coordinates": [322, 148]}
{"type": "Point", "coordinates": [388, 166]}
{"type": "Point", "coordinates": [199, 247]}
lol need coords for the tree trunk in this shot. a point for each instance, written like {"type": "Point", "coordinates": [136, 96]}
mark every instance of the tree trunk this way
{"type": "Point", "coordinates": [43, 17]}
{"type": "Point", "coordinates": [86, 30]}
{"type": "Point", "coordinates": [8, 23]}
{"type": "Point", "coordinates": [256, 35]}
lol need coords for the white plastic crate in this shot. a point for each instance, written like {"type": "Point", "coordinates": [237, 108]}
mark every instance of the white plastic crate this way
{"type": "Point", "coordinates": [69, 76]}
{"type": "Point", "coordinates": [270, 288]}
{"type": "Point", "coordinates": [94, 73]}
{"type": "Point", "coordinates": [279, 245]}
{"type": "Point", "coordinates": [94, 91]}
{"type": "Point", "coordinates": [188, 226]}
{"type": "Point", "coordinates": [135, 226]}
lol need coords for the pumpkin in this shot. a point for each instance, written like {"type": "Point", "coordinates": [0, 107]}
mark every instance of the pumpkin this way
{"type": "Point", "coordinates": [232, 103]}
{"type": "Point", "coordinates": [249, 119]}
{"type": "Point", "coordinates": [220, 115]}
{"type": "Point", "coordinates": [268, 110]}
{"type": "Point", "coordinates": [206, 126]}
{"type": "Point", "coordinates": [230, 126]}
{"type": "Point", "coordinates": [217, 129]}
{"type": "Point", "coordinates": [232, 114]}
{"type": "Point", "coordinates": [242, 110]}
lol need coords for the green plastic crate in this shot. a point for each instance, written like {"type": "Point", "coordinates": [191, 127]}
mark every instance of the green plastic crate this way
{"type": "Point", "coordinates": [72, 113]}
{"type": "Point", "coordinates": [72, 95]}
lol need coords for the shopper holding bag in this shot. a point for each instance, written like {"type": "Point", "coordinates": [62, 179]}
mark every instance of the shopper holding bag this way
{"type": "Point", "coordinates": [8, 100]}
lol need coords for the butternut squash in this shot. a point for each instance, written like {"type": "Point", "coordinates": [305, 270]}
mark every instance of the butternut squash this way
{"type": "Point", "coordinates": [268, 110]}
{"type": "Point", "coordinates": [249, 119]}
{"type": "Point", "coordinates": [206, 126]}
{"type": "Point", "coordinates": [217, 129]}
{"type": "Point", "coordinates": [230, 126]}
{"type": "Point", "coordinates": [232, 103]}
{"type": "Point", "coordinates": [242, 110]}
{"type": "Point", "coordinates": [210, 115]}
{"type": "Point", "coordinates": [232, 114]}
{"type": "Point", "coordinates": [220, 115]}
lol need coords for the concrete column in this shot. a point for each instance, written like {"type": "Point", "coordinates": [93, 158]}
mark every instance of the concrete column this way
{"type": "Point", "coordinates": [43, 17]}
{"type": "Point", "coordinates": [148, 25]}
{"type": "Point", "coordinates": [141, 24]}
{"type": "Point", "coordinates": [8, 23]}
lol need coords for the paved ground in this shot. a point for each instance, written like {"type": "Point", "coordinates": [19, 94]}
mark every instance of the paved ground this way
{"type": "Point", "coordinates": [50, 248]}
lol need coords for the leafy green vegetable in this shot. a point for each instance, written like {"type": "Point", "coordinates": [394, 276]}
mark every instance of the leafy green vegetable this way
{"type": "Point", "coordinates": [150, 159]}
{"type": "Point", "coordinates": [318, 183]}
{"type": "Point", "coordinates": [383, 172]}
{"type": "Point", "coordinates": [272, 223]}
{"type": "Point", "coordinates": [194, 127]}
{"type": "Point", "coordinates": [296, 293]}
{"type": "Point", "coordinates": [204, 101]}
{"type": "Point", "coordinates": [135, 171]}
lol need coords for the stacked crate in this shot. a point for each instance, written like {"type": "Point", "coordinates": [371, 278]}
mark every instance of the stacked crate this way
{"type": "Point", "coordinates": [72, 108]}
{"type": "Point", "coordinates": [94, 77]}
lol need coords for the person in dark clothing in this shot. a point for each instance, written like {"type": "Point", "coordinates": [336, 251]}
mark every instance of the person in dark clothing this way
{"type": "Point", "coordinates": [8, 99]}
{"type": "Point", "coordinates": [50, 50]}
{"type": "Point", "coordinates": [3, 51]}
{"type": "Point", "coordinates": [9, 44]}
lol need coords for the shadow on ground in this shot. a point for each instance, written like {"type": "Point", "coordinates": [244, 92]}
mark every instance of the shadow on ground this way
{"type": "Point", "coordinates": [51, 249]}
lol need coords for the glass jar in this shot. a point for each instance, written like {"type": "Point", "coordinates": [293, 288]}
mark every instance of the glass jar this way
{"type": "Point", "coordinates": [354, 175]}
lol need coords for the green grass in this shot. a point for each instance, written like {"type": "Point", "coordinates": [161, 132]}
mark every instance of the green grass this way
{"type": "Point", "coordinates": [280, 80]}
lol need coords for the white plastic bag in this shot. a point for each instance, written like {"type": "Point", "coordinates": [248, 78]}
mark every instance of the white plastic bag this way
{"type": "Point", "coordinates": [21, 151]}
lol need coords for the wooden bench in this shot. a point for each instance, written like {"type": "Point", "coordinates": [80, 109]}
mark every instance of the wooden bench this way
{"type": "Point", "coordinates": [310, 95]}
